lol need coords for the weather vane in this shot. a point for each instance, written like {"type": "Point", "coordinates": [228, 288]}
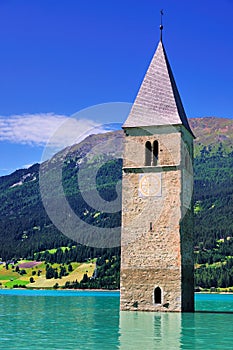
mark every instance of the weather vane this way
{"type": "Point", "coordinates": [161, 24]}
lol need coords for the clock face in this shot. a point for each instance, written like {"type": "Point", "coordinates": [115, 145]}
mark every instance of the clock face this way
{"type": "Point", "coordinates": [150, 185]}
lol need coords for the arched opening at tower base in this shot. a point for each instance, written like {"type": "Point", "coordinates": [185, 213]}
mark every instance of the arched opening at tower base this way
{"type": "Point", "coordinates": [157, 295]}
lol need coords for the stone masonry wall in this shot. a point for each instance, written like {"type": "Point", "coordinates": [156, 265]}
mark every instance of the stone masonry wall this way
{"type": "Point", "coordinates": [152, 240]}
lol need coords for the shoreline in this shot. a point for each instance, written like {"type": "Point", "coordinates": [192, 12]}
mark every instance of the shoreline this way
{"type": "Point", "coordinates": [68, 289]}
{"type": "Point", "coordinates": [96, 290]}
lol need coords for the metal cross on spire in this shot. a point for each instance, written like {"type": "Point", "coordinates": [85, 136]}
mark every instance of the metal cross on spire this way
{"type": "Point", "coordinates": [161, 25]}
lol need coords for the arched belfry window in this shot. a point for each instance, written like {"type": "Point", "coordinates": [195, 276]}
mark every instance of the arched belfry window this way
{"type": "Point", "coordinates": [151, 153]}
{"type": "Point", "coordinates": [157, 296]}
{"type": "Point", "coordinates": [148, 153]}
{"type": "Point", "coordinates": [155, 152]}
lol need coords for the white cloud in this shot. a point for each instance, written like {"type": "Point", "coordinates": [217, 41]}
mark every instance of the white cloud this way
{"type": "Point", "coordinates": [29, 128]}
{"type": "Point", "coordinates": [58, 131]}
{"type": "Point", "coordinates": [40, 129]}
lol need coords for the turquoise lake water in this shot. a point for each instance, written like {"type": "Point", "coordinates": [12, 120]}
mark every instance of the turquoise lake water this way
{"type": "Point", "coordinates": [35, 320]}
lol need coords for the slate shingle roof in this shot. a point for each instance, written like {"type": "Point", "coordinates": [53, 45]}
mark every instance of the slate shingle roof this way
{"type": "Point", "coordinates": [158, 101]}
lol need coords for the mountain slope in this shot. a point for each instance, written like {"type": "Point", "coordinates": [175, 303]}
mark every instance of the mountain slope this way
{"type": "Point", "coordinates": [25, 227]}
{"type": "Point", "coordinates": [213, 187]}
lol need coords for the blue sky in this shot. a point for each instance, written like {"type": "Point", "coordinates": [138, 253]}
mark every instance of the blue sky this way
{"type": "Point", "coordinates": [58, 57]}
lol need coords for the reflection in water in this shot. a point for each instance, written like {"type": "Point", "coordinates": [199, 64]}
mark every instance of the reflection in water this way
{"type": "Point", "coordinates": [58, 320]}
{"type": "Point", "coordinates": [148, 330]}
{"type": "Point", "coordinates": [175, 331]}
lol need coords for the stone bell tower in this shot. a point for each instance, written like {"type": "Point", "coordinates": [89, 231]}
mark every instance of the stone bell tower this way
{"type": "Point", "coordinates": [157, 215]}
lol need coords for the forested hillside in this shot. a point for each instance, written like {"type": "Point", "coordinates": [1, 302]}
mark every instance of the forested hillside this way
{"type": "Point", "coordinates": [25, 228]}
{"type": "Point", "coordinates": [213, 201]}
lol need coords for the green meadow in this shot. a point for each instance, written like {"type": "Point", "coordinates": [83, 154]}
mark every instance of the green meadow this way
{"type": "Point", "coordinates": [19, 276]}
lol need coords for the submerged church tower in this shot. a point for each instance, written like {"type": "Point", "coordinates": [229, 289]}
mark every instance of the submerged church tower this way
{"type": "Point", "coordinates": [157, 265]}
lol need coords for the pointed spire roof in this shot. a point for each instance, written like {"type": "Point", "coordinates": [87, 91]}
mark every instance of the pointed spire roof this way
{"type": "Point", "coordinates": [158, 101]}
